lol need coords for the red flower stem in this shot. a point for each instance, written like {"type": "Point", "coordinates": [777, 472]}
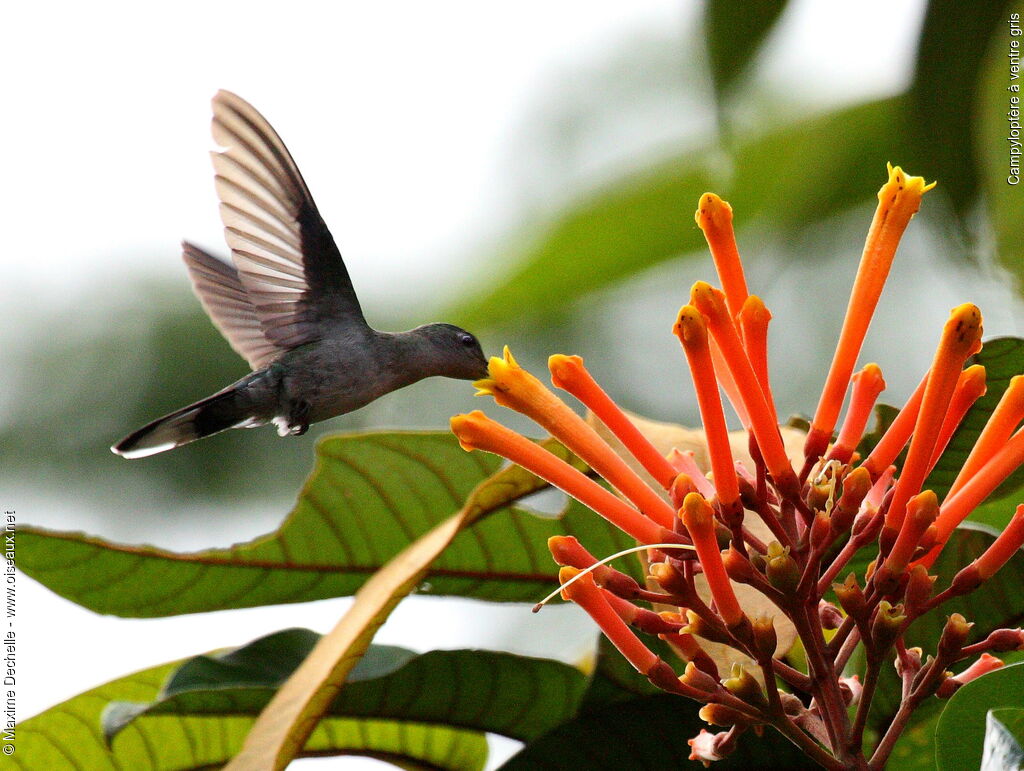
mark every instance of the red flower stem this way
{"type": "Point", "coordinates": [872, 671]}
{"type": "Point", "coordinates": [825, 685]}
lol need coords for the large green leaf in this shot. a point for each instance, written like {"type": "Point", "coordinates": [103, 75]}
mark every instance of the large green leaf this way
{"type": "Point", "coordinates": [68, 737]}
{"type": "Point", "coordinates": [369, 496]}
{"type": "Point", "coordinates": [516, 696]}
{"type": "Point", "coordinates": [785, 179]}
{"type": "Point", "coordinates": [1003, 358]}
{"type": "Point", "coordinates": [945, 96]}
{"type": "Point", "coordinates": [646, 734]}
{"type": "Point", "coordinates": [960, 734]}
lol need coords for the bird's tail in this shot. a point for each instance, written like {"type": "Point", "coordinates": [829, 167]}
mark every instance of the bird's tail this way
{"type": "Point", "coordinates": [208, 416]}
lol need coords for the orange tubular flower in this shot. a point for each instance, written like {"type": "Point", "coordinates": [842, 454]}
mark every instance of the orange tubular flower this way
{"type": "Point", "coordinates": [897, 435]}
{"type": "Point", "coordinates": [960, 338]}
{"type": "Point", "coordinates": [585, 593]}
{"type": "Point", "coordinates": [969, 388]}
{"type": "Point", "coordinates": [714, 218]}
{"type": "Point", "coordinates": [1004, 547]}
{"type": "Point", "coordinates": [700, 523]}
{"type": "Point", "coordinates": [569, 374]}
{"type": "Point", "coordinates": [867, 385]}
{"type": "Point", "coordinates": [956, 507]}
{"type": "Point", "coordinates": [693, 334]}
{"type": "Point", "coordinates": [515, 388]}
{"type": "Point", "coordinates": [753, 320]}
{"type": "Point", "coordinates": [476, 431]}
{"type": "Point", "coordinates": [898, 201]}
{"type": "Point", "coordinates": [711, 302]}
{"type": "Point", "coordinates": [1000, 426]}
{"type": "Point", "coordinates": [922, 510]}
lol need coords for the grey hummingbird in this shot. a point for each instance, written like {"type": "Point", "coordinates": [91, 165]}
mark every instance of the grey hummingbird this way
{"type": "Point", "coordinates": [287, 305]}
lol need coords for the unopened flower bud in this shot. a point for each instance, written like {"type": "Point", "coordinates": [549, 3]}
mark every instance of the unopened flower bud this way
{"type": "Point", "coordinates": [695, 677]}
{"type": "Point", "coordinates": [851, 689]}
{"type": "Point", "coordinates": [855, 488]}
{"type": "Point", "coordinates": [887, 624]}
{"type": "Point", "coordinates": [682, 486]}
{"type": "Point", "coordinates": [919, 588]}
{"type": "Point", "coordinates": [1006, 640]}
{"type": "Point", "coordinates": [851, 596]}
{"type": "Point", "coordinates": [982, 666]}
{"type": "Point", "coordinates": [737, 566]}
{"type": "Point", "coordinates": [702, 747]}
{"type": "Point", "coordinates": [718, 714]}
{"type": "Point", "coordinates": [966, 580]}
{"type": "Point", "coordinates": [766, 640]}
{"type": "Point", "coordinates": [743, 685]}
{"type": "Point", "coordinates": [782, 570]}
{"type": "Point", "coordinates": [821, 531]}
{"type": "Point", "coordinates": [669, 579]}
{"type": "Point", "coordinates": [910, 664]}
{"type": "Point", "coordinates": [698, 626]}
{"type": "Point", "coordinates": [829, 615]}
{"type": "Point", "coordinates": [954, 635]}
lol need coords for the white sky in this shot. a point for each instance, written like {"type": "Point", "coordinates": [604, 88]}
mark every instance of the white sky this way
{"type": "Point", "coordinates": [400, 115]}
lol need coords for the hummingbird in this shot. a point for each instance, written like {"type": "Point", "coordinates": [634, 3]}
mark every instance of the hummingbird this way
{"type": "Point", "coordinates": [286, 304]}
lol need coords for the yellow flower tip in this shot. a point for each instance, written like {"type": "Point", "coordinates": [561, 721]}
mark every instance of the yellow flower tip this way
{"type": "Point", "coordinates": [696, 511]}
{"type": "Point", "coordinates": [706, 298]}
{"type": "Point", "coordinates": [754, 310]}
{"type": "Point", "coordinates": [484, 387]}
{"type": "Point", "coordinates": [690, 326]}
{"type": "Point", "coordinates": [903, 189]}
{"type": "Point", "coordinates": [713, 212]}
{"type": "Point", "coordinates": [966, 323]}
{"type": "Point", "coordinates": [508, 357]}
{"type": "Point", "coordinates": [565, 370]}
{"type": "Point", "coordinates": [468, 427]}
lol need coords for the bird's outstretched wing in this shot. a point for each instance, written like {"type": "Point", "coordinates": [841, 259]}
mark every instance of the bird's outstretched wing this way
{"type": "Point", "coordinates": [287, 260]}
{"type": "Point", "coordinates": [227, 304]}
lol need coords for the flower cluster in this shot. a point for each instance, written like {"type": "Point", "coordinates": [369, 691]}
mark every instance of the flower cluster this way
{"type": "Point", "coordinates": [785, 530]}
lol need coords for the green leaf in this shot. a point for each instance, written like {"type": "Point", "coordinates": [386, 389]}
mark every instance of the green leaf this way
{"type": "Point", "coordinates": [369, 497]}
{"type": "Point", "coordinates": [945, 96]}
{"type": "Point", "coordinates": [960, 734]}
{"type": "Point", "coordinates": [646, 733]}
{"type": "Point", "coordinates": [68, 737]}
{"type": "Point", "coordinates": [734, 32]}
{"type": "Point", "coordinates": [516, 696]}
{"type": "Point", "coordinates": [1003, 731]}
{"type": "Point", "coordinates": [1005, 203]}
{"type": "Point", "coordinates": [1003, 358]}
{"type": "Point", "coordinates": [793, 176]}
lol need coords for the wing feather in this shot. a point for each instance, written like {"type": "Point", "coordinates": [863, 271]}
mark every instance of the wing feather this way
{"type": "Point", "coordinates": [287, 262]}
{"type": "Point", "coordinates": [222, 295]}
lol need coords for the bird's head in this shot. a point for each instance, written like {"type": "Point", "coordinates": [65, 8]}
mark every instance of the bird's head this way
{"type": "Point", "coordinates": [457, 352]}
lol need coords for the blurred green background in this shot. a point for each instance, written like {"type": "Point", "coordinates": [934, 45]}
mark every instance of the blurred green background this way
{"type": "Point", "coordinates": [532, 176]}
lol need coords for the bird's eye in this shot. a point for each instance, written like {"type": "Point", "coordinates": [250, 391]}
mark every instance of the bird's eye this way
{"type": "Point", "coordinates": [467, 339]}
